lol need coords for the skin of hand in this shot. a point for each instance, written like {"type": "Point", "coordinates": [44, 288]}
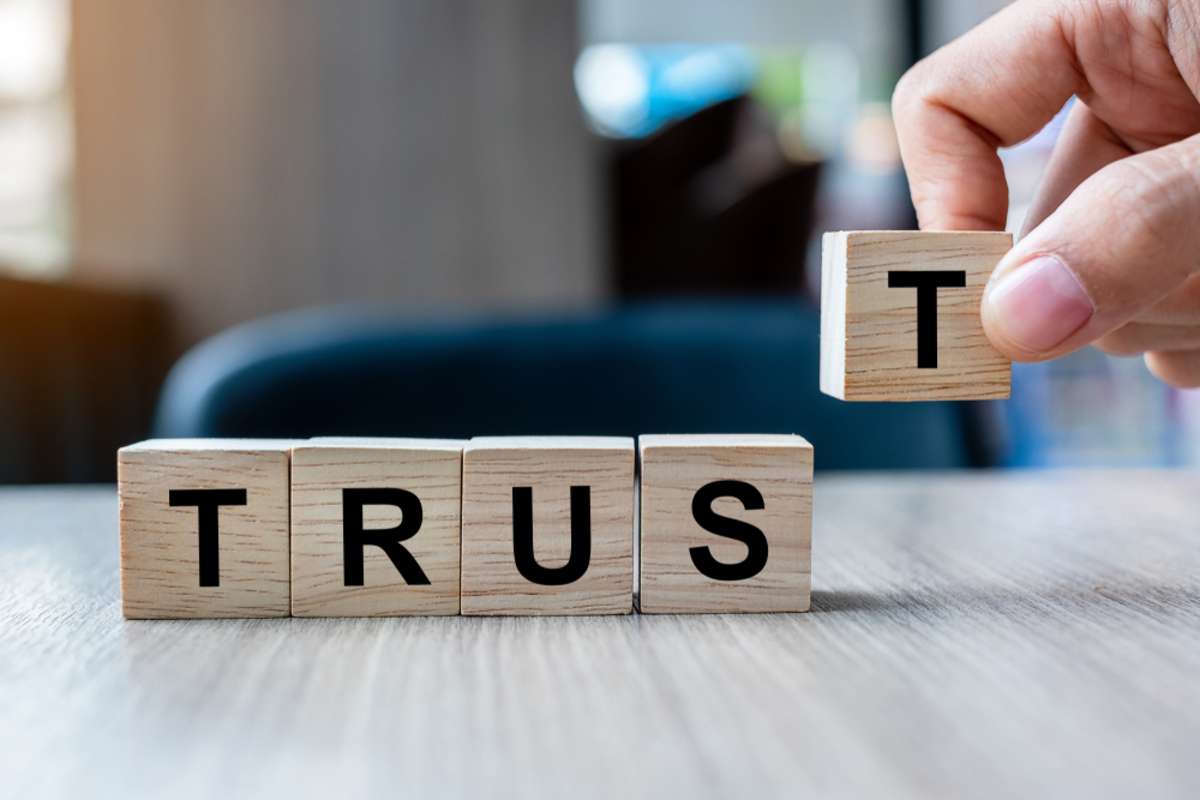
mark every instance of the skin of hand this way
{"type": "Point", "coordinates": [1110, 255]}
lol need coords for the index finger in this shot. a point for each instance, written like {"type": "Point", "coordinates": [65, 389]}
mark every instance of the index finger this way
{"type": "Point", "coordinates": [993, 87]}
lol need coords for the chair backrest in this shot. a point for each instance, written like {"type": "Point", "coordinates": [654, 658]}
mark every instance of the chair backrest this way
{"type": "Point", "coordinates": [746, 367]}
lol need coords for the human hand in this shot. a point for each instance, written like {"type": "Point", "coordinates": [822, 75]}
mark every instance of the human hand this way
{"type": "Point", "coordinates": [1111, 255]}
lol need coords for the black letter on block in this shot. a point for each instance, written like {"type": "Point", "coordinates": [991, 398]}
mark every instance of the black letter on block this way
{"type": "Point", "coordinates": [208, 501]}
{"type": "Point", "coordinates": [927, 283]}
{"type": "Point", "coordinates": [354, 538]}
{"type": "Point", "coordinates": [754, 539]}
{"type": "Point", "coordinates": [581, 538]}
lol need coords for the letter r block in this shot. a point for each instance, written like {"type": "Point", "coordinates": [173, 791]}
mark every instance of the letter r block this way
{"type": "Point", "coordinates": [900, 316]}
{"type": "Point", "coordinates": [204, 528]}
{"type": "Point", "coordinates": [547, 525]}
{"type": "Point", "coordinates": [725, 523]}
{"type": "Point", "coordinates": [404, 494]}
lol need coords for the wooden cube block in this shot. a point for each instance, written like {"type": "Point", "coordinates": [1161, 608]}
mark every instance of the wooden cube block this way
{"type": "Point", "coordinates": [900, 316]}
{"type": "Point", "coordinates": [725, 523]}
{"type": "Point", "coordinates": [204, 528]}
{"type": "Point", "coordinates": [375, 527]}
{"type": "Point", "coordinates": [547, 525]}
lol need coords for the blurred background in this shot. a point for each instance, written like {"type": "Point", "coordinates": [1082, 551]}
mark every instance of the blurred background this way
{"type": "Point", "coordinates": [432, 217]}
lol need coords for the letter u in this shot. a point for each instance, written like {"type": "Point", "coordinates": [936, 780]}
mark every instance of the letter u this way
{"type": "Point", "coordinates": [581, 538]}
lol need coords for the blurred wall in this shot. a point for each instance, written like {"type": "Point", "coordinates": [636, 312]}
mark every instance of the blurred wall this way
{"type": "Point", "coordinates": [248, 156]}
{"type": "Point", "coordinates": [868, 27]}
{"type": "Point", "coordinates": [949, 19]}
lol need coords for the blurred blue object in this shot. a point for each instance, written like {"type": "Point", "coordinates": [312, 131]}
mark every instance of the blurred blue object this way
{"type": "Point", "coordinates": [662, 368]}
{"type": "Point", "coordinates": [1091, 409]}
{"type": "Point", "coordinates": [631, 90]}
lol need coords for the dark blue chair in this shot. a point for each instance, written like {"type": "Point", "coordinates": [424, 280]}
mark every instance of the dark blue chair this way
{"type": "Point", "coordinates": [661, 368]}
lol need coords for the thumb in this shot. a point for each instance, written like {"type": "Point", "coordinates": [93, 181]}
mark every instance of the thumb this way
{"type": "Point", "coordinates": [1117, 245]}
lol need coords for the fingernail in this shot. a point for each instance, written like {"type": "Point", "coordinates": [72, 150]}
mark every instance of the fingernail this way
{"type": "Point", "coordinates": [1039, 304]}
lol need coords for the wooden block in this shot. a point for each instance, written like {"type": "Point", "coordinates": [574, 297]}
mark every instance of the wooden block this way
{"type": "Point", "coordinates": [900, 316]}
{"type": "Point", "coordinates": [204, 528]}
{"type": "Point", "coordinates": [725, 523]}
{"type": "Point", "coordinates": [375, 527]}
{"type": "Point", "coordinates": [547, 525]}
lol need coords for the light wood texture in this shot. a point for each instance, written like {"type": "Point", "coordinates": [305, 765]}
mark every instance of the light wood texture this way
{"type": "Point", "coordinates": [985, 636]}
{"type": "Point", "coordinates": [160, 543]}
{"type": "Point", "coordinates": [492, 466]}
{"type": "Point", "coordinates": [431, 469]}
{"type": "Point", "coordinates": [869, 330]}
{"type": "Point", "coordinates": [673, 469]}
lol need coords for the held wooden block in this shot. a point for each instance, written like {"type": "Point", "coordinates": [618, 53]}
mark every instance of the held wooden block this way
{"type": "Point", "coordinates": [900, 316]}
{"type": "Point", "coordinates": [204, 528]}
{"type": "Point", "coordinates": [725, 523]}
{"type": "Point", "coordinates": [375, 527]}
{"type": "Point", "coordinates": [547, 525]}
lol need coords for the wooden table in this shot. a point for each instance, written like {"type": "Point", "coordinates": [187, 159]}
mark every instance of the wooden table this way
{"type": "Point", "coordinates": [1002, 635]}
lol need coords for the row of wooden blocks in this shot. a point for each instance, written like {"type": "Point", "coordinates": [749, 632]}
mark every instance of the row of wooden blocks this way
{"type": "Point", "coordinates": [492, 525]}
{"type": "Point", "coordinates": [546, 526]}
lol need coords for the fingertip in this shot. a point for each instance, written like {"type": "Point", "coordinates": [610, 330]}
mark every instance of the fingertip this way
{"type": "Point", "coordinates": [1031, 310]}
{"type": "Point", "coordinates": [1180, 369]}
{"type": "Point", "coordinates": [994, 329]}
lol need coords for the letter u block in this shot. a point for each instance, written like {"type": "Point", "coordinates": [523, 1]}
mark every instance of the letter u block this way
{"type": "Point", "coordinates": [375, 527]}
{"type": "Point", "coordinates": [900, 316]}
{"type": "Point", "coordinates": [547, 525]}
{"type": "Point", "coordinates": [726, 523]}
{"type": "Point", "coordinates": [204, 528]}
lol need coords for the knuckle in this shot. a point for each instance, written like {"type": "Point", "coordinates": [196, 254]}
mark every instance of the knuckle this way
{"type": "Point", "coordinates": [1163, 204]}
{"type": "Point", "coordinates": [1185, 303]}
{"type": "Point", "coordinates": [1134, 188]}
{"type": "Point", "coordinates": [912, 90]}
{"type": "Point", "coordinates": [905, 94]}
{"type": "Point", "coordinates": [1144, 208]}
{"type": "Point", "coordinates": [1163, 185]}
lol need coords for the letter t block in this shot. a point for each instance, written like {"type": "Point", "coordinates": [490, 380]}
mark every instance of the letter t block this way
{"type": "Point", "coordinates": [900, 316]}
{"type": "Point", "coordinates": [204, 528]}
{"type": "Point", "coordinates": [726, 523]}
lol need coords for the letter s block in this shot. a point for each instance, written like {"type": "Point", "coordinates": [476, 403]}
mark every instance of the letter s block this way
{"type": "Point", "coordinates": [725, 523]}
{"type": "Point", "coordinates": [375, 527]}
{"type": "Point", "coordinates": [900, 316]}
{"type": "Point", "coordinates": [204, 528]}
{"type": "Point", "coordinates": [547, 525]}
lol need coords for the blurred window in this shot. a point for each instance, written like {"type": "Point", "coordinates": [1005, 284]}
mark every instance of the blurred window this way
{"type": "Point", "coordinates": [822, 73]}
{"type": "Point", "coordinates": [35, 137]}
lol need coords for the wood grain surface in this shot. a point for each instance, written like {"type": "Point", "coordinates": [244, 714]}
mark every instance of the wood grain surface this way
{"type": "Point", "coordinates": [550, 465]}
{"type": "Point", "coordinates": [869, 330]}
{"type": "Point", "coordinates": [672, 469]}
{"type": "Point", "coordinates": [983, 636]}
{"type": "Point", "coordinates": [160, 561]}
{"type": "Point", "coordinates": [431, 470]}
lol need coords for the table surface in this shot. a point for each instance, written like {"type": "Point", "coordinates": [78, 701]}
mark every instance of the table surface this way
{"type": "Point", "coordinates": [982, 635]}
